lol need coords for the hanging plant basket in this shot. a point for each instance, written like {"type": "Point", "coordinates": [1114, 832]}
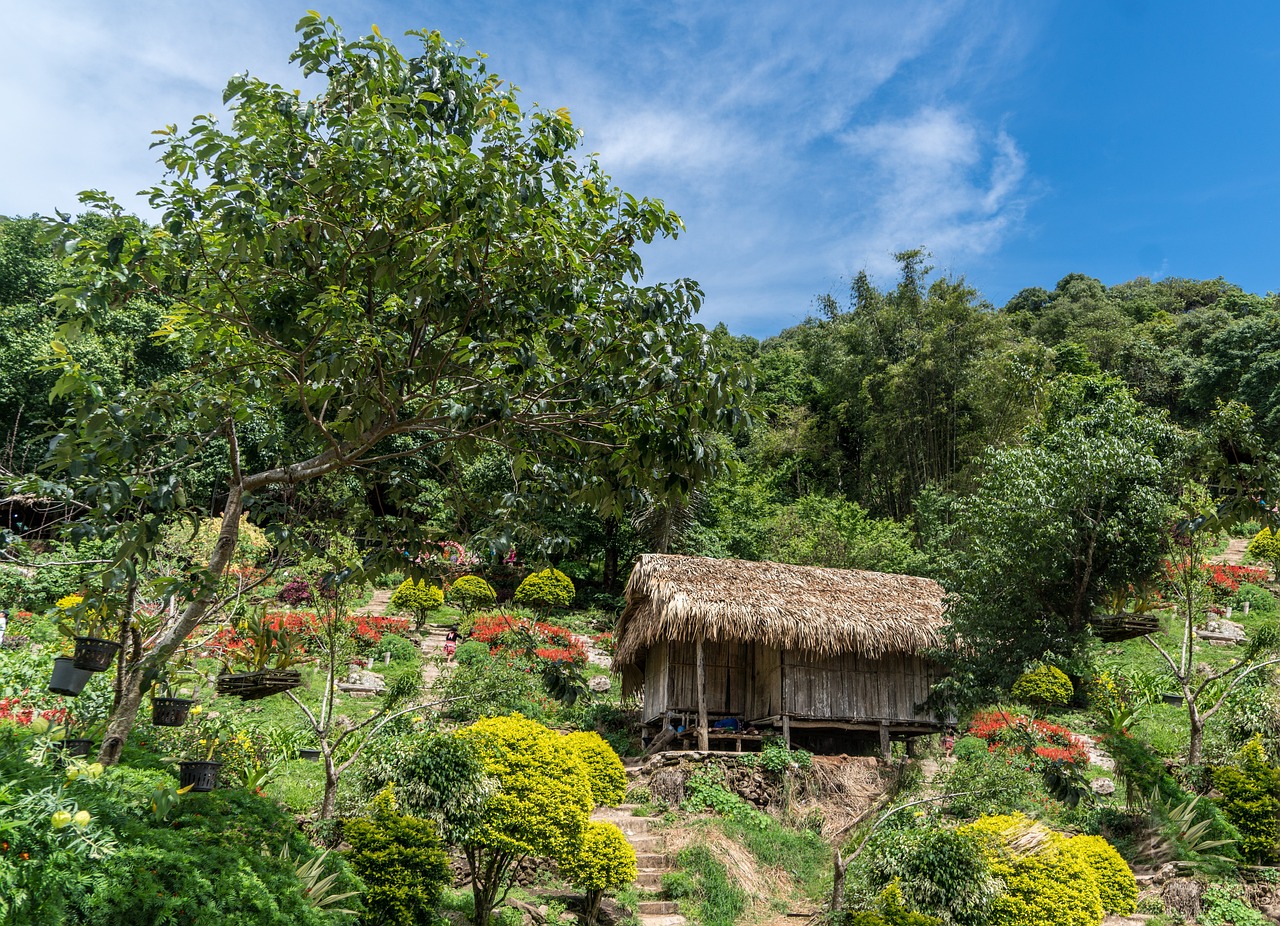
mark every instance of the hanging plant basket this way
{"type": "Point", "coordinates": [1115, 628]}
{"type": "Point", "coordinates": [76, 749]}
{"type": "Point", "coordinates": [249, 686]}
{"type": "Point", "coordinates": [67, 679]}
{"type": "Point", "coordinates": [311, 755]}
{"type": "Point", "coordinates": [198, 775]}
{"type": "Point", "coordinates": [170, 712]}
{"type": "Point", "coordinates": [94, 654]}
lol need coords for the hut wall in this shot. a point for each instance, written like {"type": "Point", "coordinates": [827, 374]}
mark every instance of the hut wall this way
{"type": "Point", "coordinates": [765, 698]}
{"type": "Point", "coordinates": [657, 682]}
{"type": "Point", "coordinates": [728, 677]}
{"type": "Point", "coordinates": [851, 687]}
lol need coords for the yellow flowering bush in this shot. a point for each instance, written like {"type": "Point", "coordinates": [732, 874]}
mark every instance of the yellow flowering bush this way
{"type": "Point", "coordinates": [540, 806]}
{"type": "Point", "coordinates": [608, 777]}
{"type": "Point", "coordinates": [606, 861]}
{"type": "Point", "coordinates": [1045, 884]}
{"type": "Point", "coordinates": [1117, 887]}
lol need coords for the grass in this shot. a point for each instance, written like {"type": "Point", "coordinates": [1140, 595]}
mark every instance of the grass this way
{"type": "Point", "coordinates": [803, 854]}
{"type": "Point", "coordinates": [703, 889]}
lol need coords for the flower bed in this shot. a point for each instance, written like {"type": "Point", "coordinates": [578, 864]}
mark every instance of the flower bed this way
{"type": "Point", "coordinates": [1011, 732]}
{"type": "Point", "coordinates": [14, 710]}
{"type": "Point", "coordinates": [511, 635]}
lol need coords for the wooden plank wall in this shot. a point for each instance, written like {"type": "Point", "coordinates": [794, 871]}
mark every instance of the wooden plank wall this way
{"type": "Point", "coordinates": [656, 682]}
{"type": "Point", "coordinates": [853, 687]}
{"type": "Point", "coordinates": [765, 699]}
{"type": "Point", "coordinates": [729, 677]}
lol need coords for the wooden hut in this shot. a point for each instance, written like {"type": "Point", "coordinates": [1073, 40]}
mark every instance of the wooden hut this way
{"type": "Point", "coordinates": [826, 656]}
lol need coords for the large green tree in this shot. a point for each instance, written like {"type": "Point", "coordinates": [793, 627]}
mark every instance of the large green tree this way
{"type": "Point", "coordinates": [1078, 511]}
{"type": "Point", "coordinates": [405, 263]}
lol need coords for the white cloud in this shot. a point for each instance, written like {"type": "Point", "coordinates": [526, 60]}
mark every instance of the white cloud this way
{"type": "Point", "coordinates": [934, 179]}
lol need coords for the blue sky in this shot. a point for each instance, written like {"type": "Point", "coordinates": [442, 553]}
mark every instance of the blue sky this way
{"type": "Point", "coordinates": [801, 142]}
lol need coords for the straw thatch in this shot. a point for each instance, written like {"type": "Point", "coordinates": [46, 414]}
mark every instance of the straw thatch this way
{"type": "Point", "coordinates": [808, 608]}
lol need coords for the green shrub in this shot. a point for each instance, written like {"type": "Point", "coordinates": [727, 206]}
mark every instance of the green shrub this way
{"type": "Point", "coordinates": [890, 911]}
{"type": "Point", "coordinates": [1251, 800]}
{"type": "Point", "coordinates": [1117, 887]}
{"type": "Point", "coordinates": [472, 592]}
{"type": "Point", "coordinates": [992, 782]}
{"type": "Point", "coordinates": [417, 597]}
{"type": "Point", "coordinates": [402, 863]}
{"type": "Point", "coordinates": [471, 652]}
{"type": "Point", "coordinates": [940, 872]}
{"type": "Point", "coordinates": [608, 777]}
{"type": "Point", "coordinates": [1225, 905]}
{"type": "Point", "coordinates": [970, 747]}
{"type": "Point", "coordinates": [1260, 600]}
{"type": "Point", "coordinates": [544, 590]}
{"type": "Point", "coordinates": [1046, 685]}
{"type": "Point", "coordinates": [487, 687]}
{"type": "Point", "coordinates": [1044, 884]}
{"type": "Point", "coordinates": [401, 650]}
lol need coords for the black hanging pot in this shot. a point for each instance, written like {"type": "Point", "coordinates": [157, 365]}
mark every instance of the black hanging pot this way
{"type": "Point", "coordinates": [311, 755]}
{"type": "Point", "coordinates": [1174, 699]}
{"type": "Point", "coordinates": [77, 748]}
{"type": "Point", "coordinates": [67, 679]}
{"type": "Point", "coordinates": [198, 775]}
{"type": "Point", "coordinates": [170, 712]}
{"type": "Point", "coordinates": [94, 654]}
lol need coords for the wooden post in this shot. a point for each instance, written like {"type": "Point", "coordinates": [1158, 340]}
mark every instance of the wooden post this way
{"type": "Point", "coordinates": [886, 748]}
{"type": "Point", "coordinates": [786, 729]}
{"type": "Point", "coordinates": [704, 743]}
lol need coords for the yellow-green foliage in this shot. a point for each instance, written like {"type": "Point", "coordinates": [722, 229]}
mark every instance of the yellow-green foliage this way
{"type": "Point", "coordinates": [1045, 885]}
{"type": "Point", "coordinates": [1047, 685]}
{"type": "Point", "coordinates": [1251, 800]}
{"type": "Point", "coordinates": [891, 911]}
{"type": "Point", "coordinates": [605, 862]}
{"type": "Point", "coordinates": [418, 597]}
{"type": "Point", "coordinates": [472, 592]}
{"type": "Point", "coordinates": [608, 777]}
{"type": "Point", "coordinates": [543, 798]}
{"type": "Point", "coordinates": [1117, 887]}
{"type": "Point", "coordinates": [179, 542]}
{"type": "Point", "coordinates": [550, 588]}
{"type": "Point", "coordinates": [1266, 545]}
{"type": "Point", "coordinates": [401, 861]}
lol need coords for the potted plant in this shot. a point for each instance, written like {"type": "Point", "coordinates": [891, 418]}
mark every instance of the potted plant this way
{"type": "Point", "coordinates": [311, 755]}
{"type": "Point", "coordinates": [74, 740]}
{"type": "Point", "coordinates": [263, 659]}
{"type": "Point", "coordinates": [67, 679]}
{"type": "Point", "coordinates": [170, 704]}
{"type": "Point", "coordinates": [88, 627]}
{"type": "Point", "coordinates": [201, 774]}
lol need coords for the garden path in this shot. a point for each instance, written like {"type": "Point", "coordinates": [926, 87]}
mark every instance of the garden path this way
{"type": "Point", "coordinates": [1234, 553]}
{"type": "Point", "coordinates": [651, 861]}
{"type": "Point", "coordinates": [379, 604]}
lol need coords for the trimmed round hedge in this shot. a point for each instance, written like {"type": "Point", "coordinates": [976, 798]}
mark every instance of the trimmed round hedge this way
{"type": "Point", "coordinates": [1047, 685]}
{"type": "Point", "coordinates": [550, 588]}
{"type": "Point", "coordinates": [472, 592]}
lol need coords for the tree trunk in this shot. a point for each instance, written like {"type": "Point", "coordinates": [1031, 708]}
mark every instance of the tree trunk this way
{"type": "Point", "coordinates": [840, 868]}
{"type": "Point", "coordinates": [330, 788]}
{"type": "Point", "coordinates": [610, 555]}
{"type": "Point", "coordinates": [1196, 723]}
{"type": "Point", "coordinates": [125, 713]}
{"type": "Point", "coordinates": [593, 900]}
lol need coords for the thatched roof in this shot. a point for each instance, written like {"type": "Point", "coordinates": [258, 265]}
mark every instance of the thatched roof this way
{"type": "Point", "coordinates": [809, 608]}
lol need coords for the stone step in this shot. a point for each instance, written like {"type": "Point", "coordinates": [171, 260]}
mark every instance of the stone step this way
{"type": "Point", "coordinates": [646, 845]}
{"type": "Point", "coordinates": [630, 826]}
{"type": "Point", "coordinates": [652, 860]}
{"type": "Point", "coordinates": [670, 919]}
{"type": "Point", "coordinates": [649, 880]}
{"type": "Point", "coordinates": [657, 907]}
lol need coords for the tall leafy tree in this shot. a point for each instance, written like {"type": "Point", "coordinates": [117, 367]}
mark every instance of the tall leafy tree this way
{"type": "Point", "coordinates": [1080, 510]}
{"type": "Point", "coordinates": [407, 262]}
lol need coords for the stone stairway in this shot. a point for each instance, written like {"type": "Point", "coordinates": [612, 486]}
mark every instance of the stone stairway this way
{"type": "Point", "coordinates": [652, 862]}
